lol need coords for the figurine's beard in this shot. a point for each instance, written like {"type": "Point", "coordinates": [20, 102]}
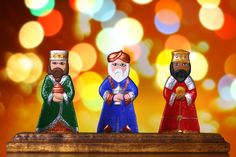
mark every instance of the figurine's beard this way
{"type": "Point", "coordinates": [57, 74]}
{"type": "Point", "coordinates": [118, 75]}
{"type": "Point", "coordinates": [180, 75]}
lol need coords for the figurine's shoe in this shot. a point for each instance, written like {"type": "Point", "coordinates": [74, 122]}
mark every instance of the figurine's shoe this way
{"type": "Point", "coordinates": [127, 129]}
{"type": "Point", "coordinates": [107, 129]}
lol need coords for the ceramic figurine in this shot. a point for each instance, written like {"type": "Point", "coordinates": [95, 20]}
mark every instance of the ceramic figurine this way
{"type": "Point", "coordinates": [118, 92]}
{"type": "Point", "coordinates": [180, 93]}
{"type": "Point", "coordinates": [57, 114]}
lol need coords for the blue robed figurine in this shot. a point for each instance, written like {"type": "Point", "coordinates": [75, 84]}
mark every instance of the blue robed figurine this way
{"type": "Point", "coordinates": [118, 92]}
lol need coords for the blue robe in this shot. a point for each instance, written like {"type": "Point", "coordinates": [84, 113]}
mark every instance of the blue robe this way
{"type": "Point", "coordinates": [118, 116]}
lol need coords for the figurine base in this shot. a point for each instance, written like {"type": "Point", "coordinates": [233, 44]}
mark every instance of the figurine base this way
{"type": "Point", "coordinates": [118, 143]}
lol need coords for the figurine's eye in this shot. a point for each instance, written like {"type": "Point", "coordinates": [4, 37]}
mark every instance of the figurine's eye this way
{"type": "Point", "coordinates": [185, 64]}
{"type": "Point", "coordinates": [123, 65]}
{"type": "Point", "coordinates": [114, 64]}
{"type": "Point", "coordinates": [54, 63]}
{"type": "Point", "coordinates": [62, 63]}
{"type": "Point", "coordinates": [176, 64]}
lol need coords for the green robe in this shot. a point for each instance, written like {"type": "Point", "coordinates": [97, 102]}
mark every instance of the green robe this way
{"type": "Point", "coordinates": [52, 112]}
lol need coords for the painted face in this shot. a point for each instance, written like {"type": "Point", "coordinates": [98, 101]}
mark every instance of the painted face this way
{"type": "Point", "coordinates": [180, 70]}
{"type": "Point", "coordinates": [118, 70]}
{"type": "Point", "coordinates": [58, 64]}
{"type": "Point", "coordinates": [181, 66]}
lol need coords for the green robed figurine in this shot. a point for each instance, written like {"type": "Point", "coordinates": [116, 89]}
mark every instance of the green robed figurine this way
{"type": "Point", "coordinates": [57, 114]}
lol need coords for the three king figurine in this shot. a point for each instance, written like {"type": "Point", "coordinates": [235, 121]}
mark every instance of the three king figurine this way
{"type": "Point", "coordinates": [118, 92]}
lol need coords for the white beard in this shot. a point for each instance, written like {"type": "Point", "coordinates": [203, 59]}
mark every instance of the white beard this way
{"type": "Point", "coordinates": [118, 75]}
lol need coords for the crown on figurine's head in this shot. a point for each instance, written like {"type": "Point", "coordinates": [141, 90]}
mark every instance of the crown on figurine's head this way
{"type": "Point", "coordinates": [180, 56]}
{"type": "Point", "coordinates": [59, 55]}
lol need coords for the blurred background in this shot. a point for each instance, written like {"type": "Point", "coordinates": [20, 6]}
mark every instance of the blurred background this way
{"type": "Point", "coordinates": [91, 29]}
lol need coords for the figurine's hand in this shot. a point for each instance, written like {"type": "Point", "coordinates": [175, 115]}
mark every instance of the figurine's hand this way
{"type": "Point", "coordinates": [54, 99]}
{"type": "Point", "coordinates": [118, 97]}
{"type": "Point", "coordinates": [180, 93]}
{"type": "Point", "coordinates": [126, 96]}
{"type": "Point", "coordinates": [58, 96]}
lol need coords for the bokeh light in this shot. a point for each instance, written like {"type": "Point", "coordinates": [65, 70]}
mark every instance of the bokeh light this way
{"type": "Point", "coordinates": [87, 55]}
{"type": "Point", "coordinates": [228, 30]}
{"type": "Point", "coordinates": [130, 31]}
{"type": "Point", "coordinates": [230, 64]}
{"type": "Point", "coordinates": [75, 64]}
{"type": "Point", "coordinates": [225, 105]}
{"type": "Point", "coordinates": [31, 34]}
{"type": "Point", "coordinates": [107, 41]}
{"type": "Point", "coordinates": [211, 18]}
{"type": "Point", "coordinates": [209, 3]}
{"type": "Point", "coordinates": [176, 42]}
{"type": "Point", "coordinates": [208, 84]}
{"type": "Point", "coordinates": [36, 66]}
{"type": "Point", "coordinates": [106, 12]}
{"type": "Point", "coordinates": [164, 58]}
{"type": "Point", "coordinates": [88, 7]}
{"type": "Point", "coordinates": [35, 4]}
{"type": "Point", "coordinates": [44, 9]}
{"type": "Point", "coordinates": [203, 46]}
{"type": "Point", "coordinates": [233, 89]}
{"type": "Point", "coordinates": [142, 1]}
{"type": "Point", "coordinates": [167, 21]}
{"type": "Point", "coordinates": [199, 66]}
{"type": "Point", "coordinates": [224, 87]}
{"type": "Point", "coordinates": [90, 97]}
{"type": "Point", "coordinates": [171, 5]}
{"type": "Point", "coordinates": [18, 67]}
{"type": "Point", "coordinates": [207, 123]}
{"type": "Point", "coordinates": [162, 75]}
{"type": "Point", "coordinates": [134, 76]}
{"type": "Point", "coordinates": [51, 23]}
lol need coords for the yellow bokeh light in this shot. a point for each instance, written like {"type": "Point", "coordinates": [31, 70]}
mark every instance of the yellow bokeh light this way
{"type": "Point", "coordinates": [164, 58]}
{"type": "Point", "coordinates": [88, 6]}
{"type": "Point", "coordinates": [208, 84]}
{"type": "Point", "coordinates": [130, 31]}
{"type": "Point", "coordinates": [211, 18]}
{"type": "Point", "coordinates": [142, 1]}
{"type": "Point", "coordinates": [31, 34]}
{"type": "Point", "coordinates": [36, 68]}
{"type": "Point", "coordinates": [87, 86]}
{"type": "Point", "coordinates": [162, 75]}
{"type": "Point", "coordinates": [35, 4]}
{"type": "Point", "coordinates": [18, 67]}
{"type": "Point", "coordinates": [134, 76]}
{"type": "Point", "coordinates": [75, 64]}
{"type": "Point", "coordinates": [87, 54]}
{"type": "Point", "coordinates": [199, 66]}
{"type": "Point", "coordinates": [209, 2]}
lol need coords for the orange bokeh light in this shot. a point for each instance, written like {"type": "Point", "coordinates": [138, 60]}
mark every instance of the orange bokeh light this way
{"type": "Point", "coordinates": [51, 23]}
{"type": "Point", "coordinates": [228, 30]}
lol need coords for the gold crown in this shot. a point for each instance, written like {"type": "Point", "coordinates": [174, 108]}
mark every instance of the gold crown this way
{"type": "Point", "coordinates": [58, 55]}
{"type": "Point", "coordinates": [180, 56]}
